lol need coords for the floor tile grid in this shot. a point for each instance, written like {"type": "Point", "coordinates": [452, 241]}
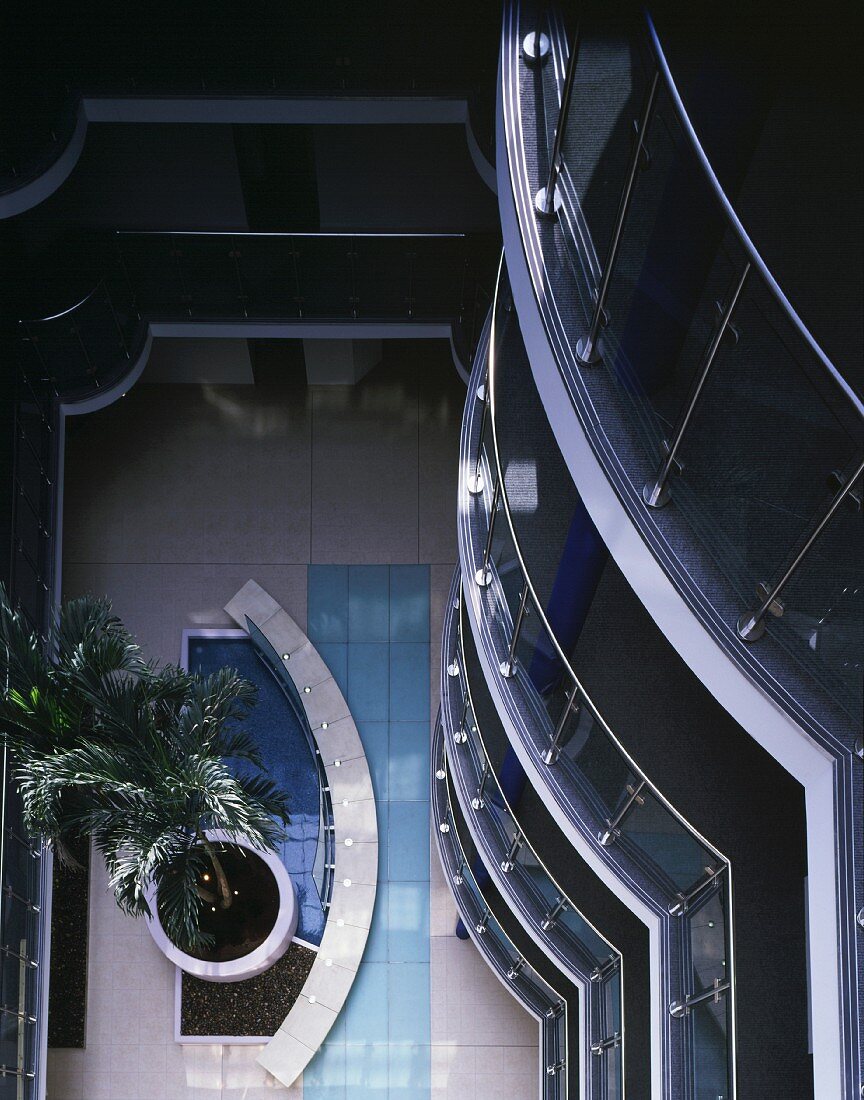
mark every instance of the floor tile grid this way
{"type": "Point", "coordinates": [371, 624]}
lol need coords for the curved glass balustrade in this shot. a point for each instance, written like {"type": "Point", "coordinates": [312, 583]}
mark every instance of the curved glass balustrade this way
{"type": "Point", "coordinates": [282, 277]}
{"type": "Point", "coordinates": [541, 1000]}
{"type": "Point", "coordinates": [547, 912]}
{"type": "Point", "coordinates": [726, 430]}
{"type": "Point", "coordinates": [597, 784]}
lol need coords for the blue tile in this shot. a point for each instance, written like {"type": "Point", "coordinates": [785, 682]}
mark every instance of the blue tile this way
{"type": "Point", "coordinates": [409, 603]}
{"type": "Point", "coordinates": [366, 1071]}
{"type": "Point", "coordinates": [368, 605]}
{"type": "Point", "coordinates": [376, 744]}
{"type": "Point", "coordinates": [368, 678]}
{"type": "Point", "coordinates": [326, 1070]}
{"type": "Point", "coordinates": [409, 682]}
{"type": "Point", "coordinates": [335, 656]}
{"type": "Point", "coordinates": [408, 763]}
{"type": "Point", "coordinates": [382, 812]}
{"type": "Point", "coordinates": [409, 1071]}
{"type": "Point", "coordinates": [408, 985]}
{"type": "Point", "coordinates": [327, 613]}
{"type": "Point", "coordinates": [322, 1091]}
{"type": "Point", "coordinates": [408, 842]}
{"type": "Point", "coordinates": [376, 944]}
{"type": "Point", "coordinates": [408, 922]}
{"type": "Point", "coordinates": [366, 1007]}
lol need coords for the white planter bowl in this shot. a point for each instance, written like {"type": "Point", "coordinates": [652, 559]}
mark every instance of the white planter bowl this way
{"type": "Point", "coordinates": [257, 961]}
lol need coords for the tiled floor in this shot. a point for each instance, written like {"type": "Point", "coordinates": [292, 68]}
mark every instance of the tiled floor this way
{"type": "Point", "coordinates": [176, 496]}
{"type": "Point", "coordinates": [371, 623]}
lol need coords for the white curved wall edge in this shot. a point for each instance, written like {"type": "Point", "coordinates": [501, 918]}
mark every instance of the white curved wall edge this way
{"type": "Point", "coordinates": [238, 110]}
{"type": "Point", "coordinates": [255, 962]}
{"type": "Point", "coordinates": [349, 916]}
{"type": "Point", "coordinates": [769, 725]}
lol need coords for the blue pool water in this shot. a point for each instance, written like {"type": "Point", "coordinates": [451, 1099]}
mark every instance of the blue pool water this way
{"type": "Point", "coordinates": [288, 760]}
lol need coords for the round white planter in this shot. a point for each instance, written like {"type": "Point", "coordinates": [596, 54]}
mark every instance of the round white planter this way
{"type": "Point", "coordinates": [257, 961]}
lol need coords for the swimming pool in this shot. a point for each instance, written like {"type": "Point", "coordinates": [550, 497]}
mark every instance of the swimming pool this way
{"type": "Point", "coordinates": [278, 725]}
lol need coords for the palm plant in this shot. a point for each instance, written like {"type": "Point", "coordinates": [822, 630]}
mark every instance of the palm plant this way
{"type": "Point", "coordinates": [143, 758]}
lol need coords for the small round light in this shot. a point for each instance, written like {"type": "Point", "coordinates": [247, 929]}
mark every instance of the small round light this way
{"type": "Point", "coordinates": [337, 763]}
{"type": "Point", "coordinates": [348, 841]}
{"type": "Point", "coordinates": [325, 725]}
{"type": "Point", "coordinates": [344, 801]}
{"type": "Point", "coordinates": [286, 656]}
{"type": "Point", "coordinates": [710, 923]}
{"type": "Point", "coordinates": [444, 827]}
{"type": "Point", "coordinates": [313, 999]}
{"type": "Point", "coordinates": [206, 878]}
{"type": "Point", "coordinates": [307, 689]}
{"type": "Point", "coordinates": [236, 893]}
{"type": "Point", "coordinates": [340, 923]}
{"type": "Point", "coordinates": [346, 881]}
{"type": "Point", "coordinates": [440, 774]}
{"type": "Point", "coordinates": [328, 962]}
{"type": "Point", "coordinates": [213, 907]}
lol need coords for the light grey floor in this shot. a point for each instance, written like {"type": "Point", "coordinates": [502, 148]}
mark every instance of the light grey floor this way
{"type": "Point", "coordinates": [175, 496]}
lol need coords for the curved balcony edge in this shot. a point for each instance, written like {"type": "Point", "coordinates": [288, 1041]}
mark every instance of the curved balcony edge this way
{"type": "Point", "coordinates": [538, 998]}
{"type": "Point", "coordinates": [825, 765]}
{"type": "Point", "coordinates": [581, 833]}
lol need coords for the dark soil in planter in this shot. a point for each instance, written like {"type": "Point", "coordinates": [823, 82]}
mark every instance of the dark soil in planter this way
{"type": "Point", "coordinates": [67, 1000]}
{"type": "Point", "coordinates": [256, 1006]}
{"type": "Point", "coordinates": [248, 921]}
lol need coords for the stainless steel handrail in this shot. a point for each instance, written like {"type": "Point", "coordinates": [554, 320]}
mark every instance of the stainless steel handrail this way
{"type": "Point", "coordinates": [455, 236]}
{"type": "Point", "coordinates": [735, 222]}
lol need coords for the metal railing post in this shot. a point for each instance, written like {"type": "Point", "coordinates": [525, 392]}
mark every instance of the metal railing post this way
{"type": "Point", "coordinates": [751, 625]}
{"type": "Point", "coordinates": [587, 351]}
{"type": "Point", "coordinates": [508, 666]}
{"type": "Point", "coordinates": [484, 574]}
{"type": "Point", "coordinates": [475, 481]}
{"type": "Point", "coordinates": [509, 861]}
{"type": "Point", "coordinates": [548, 200]}
{"type": "Point", "coordinates": [553, 751]}
{"type": "Point", "coordinates": [479, 799]}
{"type": "Point", "coordinates": [551, 918]}
{"type": "Point", "coordinates": [634, 798]}
{"type": "Point", "coordinates": [655, 492]}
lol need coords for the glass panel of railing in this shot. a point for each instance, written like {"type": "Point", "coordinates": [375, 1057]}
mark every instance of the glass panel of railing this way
{"type": "Point", "coordinates": [754, 501]}
{"type": "Point", "coordinates": [209, 266]}
{"type": "Point", "coordinates": [661, 840]}
{"type": "Point", "coordinates": [382, 269]}
{"type": "Point", "coordinates": [709, 1018]}
{"type": "Point", "coordinates": [154, 265]}
{"type": "Point", "coordinates": [437, 275]}
{"type": "Point", "coordinates": [269, 275]}
{"type": "Point", "coordinates": [705, 362]}
{"type": "Point", "coordinates": [327, 273]}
